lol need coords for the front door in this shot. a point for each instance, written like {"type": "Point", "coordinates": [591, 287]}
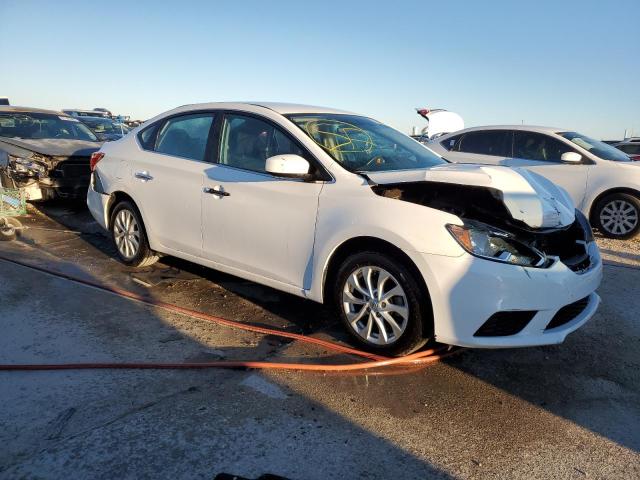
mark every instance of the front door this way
{"type": "Point", "coordinates": [253, 221]}
{"type": "Point", "coordinates": [542, 154]}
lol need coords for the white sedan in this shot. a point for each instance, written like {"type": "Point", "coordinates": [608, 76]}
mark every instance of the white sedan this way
{"type": "Point", "coordinates": [603, 181]}
{"type": "Point", "coordinates": [339, 208]}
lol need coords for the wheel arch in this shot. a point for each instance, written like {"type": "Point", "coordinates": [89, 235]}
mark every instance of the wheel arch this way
{"type": "Point", "coordinates": [119, 196]}
{"type": "Point", "coordinates": [601, 195]}
{"type": "Point", "coordinates": [373, 244]}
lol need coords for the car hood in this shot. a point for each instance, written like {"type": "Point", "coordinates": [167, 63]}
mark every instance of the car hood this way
{"type": "Point", "coordinates": [528, 197]}
{"type": "Point", "coordinates": [55, 147]}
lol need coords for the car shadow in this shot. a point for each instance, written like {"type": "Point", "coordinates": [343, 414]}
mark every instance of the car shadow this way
{"type": "Point", "coordinates": [588, 380]}
{"type": "Point", "coordinates": [159, 423]}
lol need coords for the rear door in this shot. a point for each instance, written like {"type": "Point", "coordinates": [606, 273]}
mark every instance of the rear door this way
{"type": "Point", "coordinates": [541, 153]}
{"type": "Point", "coordinates": [253, 221]}
{"type": "Point", "coordinates": [167, 179]}
{"type": "Point", "coordinates": [491, 147]}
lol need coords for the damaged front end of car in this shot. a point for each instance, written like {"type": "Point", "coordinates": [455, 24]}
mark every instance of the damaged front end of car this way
{"type": "Point", "coordinates": [507, 217]}
{"type": "Point", "coordinates": [44, 177]}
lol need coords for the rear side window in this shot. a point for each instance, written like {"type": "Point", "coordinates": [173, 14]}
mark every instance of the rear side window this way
{"type": "Point", "coordinates": [630, 148]}
{"type": "Point", "coordinates": [185, 136]}
{"type": "Point", "coordinates": [451, 143]}
{"type": "Point", "coordinates": [537, 146]}
{"type": "Point", "coordinates": [147, 137]}
{"type": "Point", "coordinates": [491, 142]}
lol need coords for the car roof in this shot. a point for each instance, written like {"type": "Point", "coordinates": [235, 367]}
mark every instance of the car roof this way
{"type": "Point", "coordinates": [13, 109]}
{"type": "Point", "coordinates": [527, 128]}
{"type": "Point", "coordinates": [281, 108]}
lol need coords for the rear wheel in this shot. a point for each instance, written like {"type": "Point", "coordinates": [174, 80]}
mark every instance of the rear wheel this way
{"type": "Point", "coordinates": [381, 304]}
{"type": "Point", "coordinates": [618, 215]}
{"type": "Point", "coordinates": [129, 236]}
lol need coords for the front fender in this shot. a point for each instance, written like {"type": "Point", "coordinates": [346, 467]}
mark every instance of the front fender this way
{"type": "Point", "coordinates": [409, 227]}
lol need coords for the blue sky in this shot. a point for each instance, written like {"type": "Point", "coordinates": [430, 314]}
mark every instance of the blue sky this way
{"type": "Point", "coordinates": [572, 64]}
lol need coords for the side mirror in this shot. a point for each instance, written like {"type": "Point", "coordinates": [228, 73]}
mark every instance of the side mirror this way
{"type": "Point", "coordinates": [571, 157]}
{"type": "Point", "coordinates": [287, 165]}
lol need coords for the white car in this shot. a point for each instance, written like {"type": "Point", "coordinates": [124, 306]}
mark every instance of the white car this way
{"type": "Point", "coordinates": [602, 181]}
{"type": "Point", "coordinates": [339, 208]}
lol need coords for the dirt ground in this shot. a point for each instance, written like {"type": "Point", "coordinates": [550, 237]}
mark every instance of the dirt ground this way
{"type": "Point", "coordinates": [565, 411]}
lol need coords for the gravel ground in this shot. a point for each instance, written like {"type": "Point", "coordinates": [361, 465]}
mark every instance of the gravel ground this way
{"type": "Point", "coordinates": [565, 411]}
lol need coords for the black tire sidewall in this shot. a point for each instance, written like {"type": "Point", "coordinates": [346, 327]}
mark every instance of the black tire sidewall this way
{"type": "Point", "coordinates": [416, 333]}
{"type": "Point", "coordinates": [144, 250]}
{"type": "Point", "coordinates": [633, 200]}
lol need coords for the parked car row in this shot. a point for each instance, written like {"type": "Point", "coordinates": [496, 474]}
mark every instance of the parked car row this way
{"type": "Point", "coordinates": [468, 240]}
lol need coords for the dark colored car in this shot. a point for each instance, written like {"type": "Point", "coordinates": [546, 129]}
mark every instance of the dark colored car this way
{"type": "Point", "coordinates": [45, 152]}
{"type": "Point", "coordinates": [631, 147]}
{"type": "Point", "coordinates": [105, 128]}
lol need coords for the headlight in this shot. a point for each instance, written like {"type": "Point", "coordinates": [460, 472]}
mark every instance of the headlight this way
{"type": "Point", "coordinates": [491, 243]}
{"type": "Point", "coordinates": [26, 166]}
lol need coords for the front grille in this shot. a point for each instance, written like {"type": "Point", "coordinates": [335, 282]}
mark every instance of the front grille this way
{"type": "Point", "coordinates": [73, 167]}
{"type": "Point", "coordinates": [502, 324]}
{"type": "Point", "coordinates": [568, 313]}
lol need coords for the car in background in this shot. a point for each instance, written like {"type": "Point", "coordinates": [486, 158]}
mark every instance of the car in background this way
{"type": "Point", "coordinates": [85, 113]}
{"type": "Point", "coordinates": [631, 147]}
{"type": "Point", "coordinates": [4, 101]}
{"type": "Point", "coordinates": [105, 129]}
{"type": "Point", "coordinates": [339, 208]}
{"type": "Point", "coordinates": [602, 181]}
{"type": "Point", "coordinates": [103, 111]}
{"type": "Point", "coordinates": [44, 152]}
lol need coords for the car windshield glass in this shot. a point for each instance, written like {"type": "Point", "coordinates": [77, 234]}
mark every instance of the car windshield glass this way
{"type": "Point", "coordinates": [34, 125]}
{"type": "Point", "coordinates": [596, 147]}
{"type": "Point", "coordinates": [103, 125]}
{"type": "Point", "coordinates": [362, 144]}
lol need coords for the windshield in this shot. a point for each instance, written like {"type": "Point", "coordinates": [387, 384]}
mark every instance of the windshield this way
{"type": "Point", "coordinates": [596, 147]}
{"type": "Point", "coordinates": [362, 144]}
{"type": "Point", "coordinates": [104, 125]}
{"type": "Point", "coordinates": [43, 125]}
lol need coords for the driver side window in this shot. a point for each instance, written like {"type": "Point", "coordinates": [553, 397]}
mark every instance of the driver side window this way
{"type": "Point", "coordinates": [247, 142]}
{"type": "Point", "coordinates": [537, 146]}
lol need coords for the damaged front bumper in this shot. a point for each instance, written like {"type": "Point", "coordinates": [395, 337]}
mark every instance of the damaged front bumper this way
{"type": "Point", "coordinates": [44, 177]}
{"type": "Point", "coordinates": [480, 303]}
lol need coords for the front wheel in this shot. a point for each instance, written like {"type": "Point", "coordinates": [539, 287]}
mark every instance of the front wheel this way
{"type": "Point", "coordinates": [381, 304]}
{"type": "Point", "coordinates": [129, 236]}
{"type": "Point", "coordinates": [618, 215]}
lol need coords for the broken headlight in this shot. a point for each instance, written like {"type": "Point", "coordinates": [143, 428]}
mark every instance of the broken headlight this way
{"type": "Point", "coordinates": [491, 243]}
{"type": "Point", "coordinates": [26, 166]}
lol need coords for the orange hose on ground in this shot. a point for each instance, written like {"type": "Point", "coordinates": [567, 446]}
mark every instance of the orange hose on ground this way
{"type": "Point", "coordinates": [418, 358]}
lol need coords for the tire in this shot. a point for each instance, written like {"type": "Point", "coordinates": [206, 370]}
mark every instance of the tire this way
{"type": "Point", "coordinates": [129, 236]}
{"type": "Point", "coordinates": [618, 216]}
{"type": "Point", "coordinates": [9, 228]}
{"type": "Point", "coordinates": [358, 311]}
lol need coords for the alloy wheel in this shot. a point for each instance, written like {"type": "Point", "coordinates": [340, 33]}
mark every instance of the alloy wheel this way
{"type": "Point", "coordinates": [376, 305]}
{"type": "Point", "coordinates": [126, 234]}
{"type": "Point", "coordinates": [619, 217]}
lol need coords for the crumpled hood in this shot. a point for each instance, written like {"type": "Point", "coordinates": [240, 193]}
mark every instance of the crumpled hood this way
{"type": "Point", "coordinates": [529, 197]}
{"type": "Point", "coordinates": [55, 147]}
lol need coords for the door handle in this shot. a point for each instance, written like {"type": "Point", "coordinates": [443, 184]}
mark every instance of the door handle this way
{"type": "Point", "coordinates": [144, 176]}
{"type": "Point", "coordinates": [217, 190]}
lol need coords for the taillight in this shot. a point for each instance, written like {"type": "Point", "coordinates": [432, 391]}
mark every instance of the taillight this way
{"type": "Point", "coordinates": [95, 158]}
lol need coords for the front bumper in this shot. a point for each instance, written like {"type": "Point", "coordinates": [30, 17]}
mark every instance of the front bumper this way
{"type": "Point", "coordinates": [466, 291]}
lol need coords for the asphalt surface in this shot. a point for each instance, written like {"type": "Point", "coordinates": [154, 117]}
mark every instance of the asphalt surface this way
{"type": "Point", "coordinates": [566, 411]}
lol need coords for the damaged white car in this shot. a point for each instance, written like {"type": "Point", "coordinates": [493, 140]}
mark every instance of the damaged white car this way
{"type": "Point", "coordinates": [342, 209]}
